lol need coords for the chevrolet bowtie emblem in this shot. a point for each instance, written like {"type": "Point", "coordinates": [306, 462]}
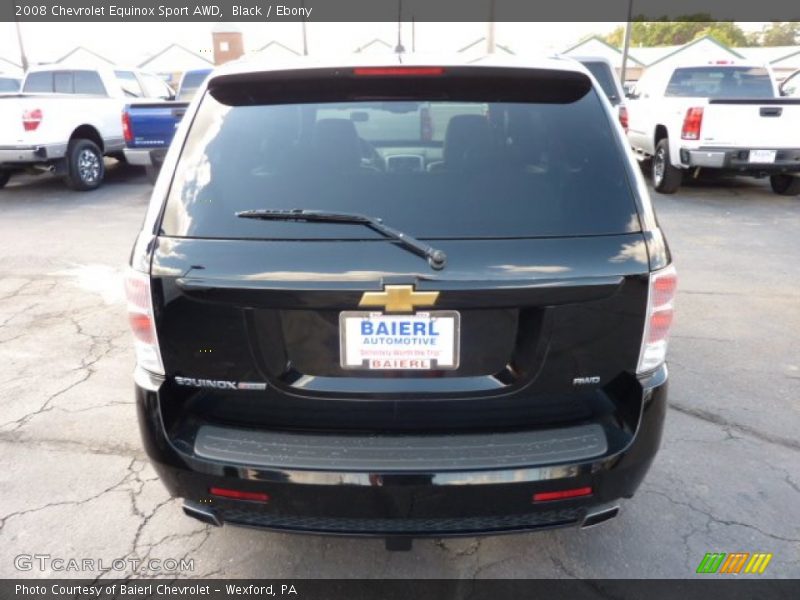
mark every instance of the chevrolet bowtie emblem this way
{"type": "Point", "coordinates": [398, 298]}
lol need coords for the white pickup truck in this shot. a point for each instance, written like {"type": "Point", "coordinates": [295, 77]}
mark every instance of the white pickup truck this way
{"type": "Point", "coordinates": [65, 120]}
{"type": "Point", "coordinates": [727, 117]}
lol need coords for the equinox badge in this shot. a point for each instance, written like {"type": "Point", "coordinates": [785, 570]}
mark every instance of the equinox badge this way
{"type": "Point", "coordinates": [220, 384]}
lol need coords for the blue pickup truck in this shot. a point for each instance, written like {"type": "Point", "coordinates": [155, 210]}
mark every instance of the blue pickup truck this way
{"type": "Point", "coordinates": [149, 127]}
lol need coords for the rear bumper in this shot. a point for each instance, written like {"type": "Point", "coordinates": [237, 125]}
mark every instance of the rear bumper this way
{"type": "Point", "coordinates": [738, 159]}
{"type": "Point", "coordinates": [20, 155]}
{"type": "Point", "coordinates": [433, 497]}
{"type": "Point", "coordinates": [145, 157]}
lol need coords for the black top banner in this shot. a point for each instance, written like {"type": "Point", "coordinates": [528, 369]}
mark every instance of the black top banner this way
{"type": "Point", "coordinates": [391, 10]}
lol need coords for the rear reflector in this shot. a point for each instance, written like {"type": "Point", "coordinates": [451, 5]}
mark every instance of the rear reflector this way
{"type": "Point", "coordinates": [140, 317]}
{"type": "Point", "coordinates": [239, 494]}
{"type": "Point", "coordinates": [562, 494]}
{"type": "Point", "coordinates": [398, 71]}
{"type": "Point", "coordinates": [660, 310]}
{"type": "Point", "coordinates": [31, 119]}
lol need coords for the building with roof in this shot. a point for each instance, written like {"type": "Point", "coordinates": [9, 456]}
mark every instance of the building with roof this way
{"type": "Point", "coordinates": [277, 49]}
{"type": "Point", "coordinates": [375, 46]}
{"type": "Point", "coordinates": [782, 59]}
{"type": "Point", "coordinates": [80, 57]}
{"type": "Point", "coordinates": [478, 48]}
{"type": "Point", "coordinates": [173, 60]}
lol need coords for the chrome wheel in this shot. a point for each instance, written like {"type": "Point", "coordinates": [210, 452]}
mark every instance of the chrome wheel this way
{"type": "Point", "coordinates": [88, 166]}
{"type": "Point", "coordinates": [659, 163]}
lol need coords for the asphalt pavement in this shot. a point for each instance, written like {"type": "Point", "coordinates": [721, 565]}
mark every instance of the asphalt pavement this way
{"type": "Point", "coordinates": [75, 483]}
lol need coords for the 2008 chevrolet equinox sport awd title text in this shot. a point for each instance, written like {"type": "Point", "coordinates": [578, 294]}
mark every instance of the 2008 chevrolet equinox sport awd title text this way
{"type": "Point", "coordinates": [401, 301]}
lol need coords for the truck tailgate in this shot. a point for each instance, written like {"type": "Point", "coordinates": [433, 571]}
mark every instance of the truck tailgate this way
{"type": "Point", "coordinates": [757, 123]}
{"type": "Point", "coordinates": [12, 130]}
{"type": "Point", "coordinates": [153, 125]}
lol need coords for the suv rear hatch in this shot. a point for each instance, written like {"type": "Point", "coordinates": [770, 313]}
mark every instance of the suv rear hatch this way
{"type": "Point", "coordinates": [524, 187]}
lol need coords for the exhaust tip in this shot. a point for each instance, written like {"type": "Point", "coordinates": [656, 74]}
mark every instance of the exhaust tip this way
{"type": "Point", "coordinates": [600, 516]}
{"type": "Point", "coordinates": [202, 513]}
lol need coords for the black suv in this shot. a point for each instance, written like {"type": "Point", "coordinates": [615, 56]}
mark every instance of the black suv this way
{"type": "Point", "coordinates": [401, 301]}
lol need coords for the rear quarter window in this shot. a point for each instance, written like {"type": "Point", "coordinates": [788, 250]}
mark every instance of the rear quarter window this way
{"type": "Point", "coordinates": [490, 169]}
{"type": "Point", "coordinates": [40, 82]}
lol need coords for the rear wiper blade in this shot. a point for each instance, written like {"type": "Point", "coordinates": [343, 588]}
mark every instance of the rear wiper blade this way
{"type": "Point", "coordinates": [436, 258]}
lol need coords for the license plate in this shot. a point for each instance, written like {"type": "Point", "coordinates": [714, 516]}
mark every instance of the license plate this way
{"type": "Point", "coordinates": [420, 342]}
{"type": "Point", "coordinates": [762, 156]}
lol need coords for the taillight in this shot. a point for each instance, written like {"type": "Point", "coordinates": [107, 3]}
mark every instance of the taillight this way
{"type": "Point", "coordinates": [398, 71]}
{"type": "Point", "coordinates": [623, 118]}
{"type": "Point", "coordinates": [692, 123]}
{"type": "Point", "coordinates": [425, 124]}
{"type": "Point", "coordinates": [127, 130]}
{"type": "Point", "coordinates": [663, 285]}
{"type": "Point", "coordinates": [142, 322]}
{"type": "Point", "coordinates": [31, 119]}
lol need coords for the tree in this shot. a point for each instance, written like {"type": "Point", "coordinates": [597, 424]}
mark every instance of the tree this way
{"type": "Point", "coordinates": [781, 34]}
{"type": "Point", "coordinates": [673, 33]}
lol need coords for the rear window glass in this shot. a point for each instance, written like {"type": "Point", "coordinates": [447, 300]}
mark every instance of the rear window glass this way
{"type": "Point", "coordinates": [40, 82]}
{"type": "Point", "coordinates": [9, 85]}
{"type": "Point", "coordinates": [720, 82]}
{"type": "Point", "coordinates": [191, 82]}
{"type": "Point", "coordinates": [602, 72]}
{"type": "Point", "coordinates": [63, 82]}
{"type": "Point", "coordinates": [432, 168]}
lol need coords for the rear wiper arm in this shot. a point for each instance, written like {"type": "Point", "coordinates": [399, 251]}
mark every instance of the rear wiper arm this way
{"type": "Point", "coordinates": [436, 258]}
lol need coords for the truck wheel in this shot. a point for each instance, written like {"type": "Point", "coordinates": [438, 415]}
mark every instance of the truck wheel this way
{"type": "Point", "coordinates": [785, 185]}
{"type": "Point", "coordinates": [666, 178]}
{"type": "Point", "coordinates": [4, 177]}
{"type": "Point", "coordinates": [85, 167]}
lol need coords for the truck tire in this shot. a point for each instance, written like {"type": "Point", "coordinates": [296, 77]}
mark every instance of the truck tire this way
{"type": "Point", "coordinates": [785, 185]}
{"type": "Point", "coordinates": [85, 166]}
{"type": "Point", "coordinates": [666, 178]}
{"type": "Point", "coordinates": [4, 177]}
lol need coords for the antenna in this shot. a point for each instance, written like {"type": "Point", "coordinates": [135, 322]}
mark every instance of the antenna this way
{"type": "Point", "coordinates": [399, 49]}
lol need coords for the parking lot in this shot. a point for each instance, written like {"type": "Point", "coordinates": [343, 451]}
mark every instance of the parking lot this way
{"type": "Point", "coordinates": [75, 483]}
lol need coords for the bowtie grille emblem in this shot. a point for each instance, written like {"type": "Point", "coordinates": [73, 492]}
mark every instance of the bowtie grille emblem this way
{"type": "Point", "coordinates": [398, 298]}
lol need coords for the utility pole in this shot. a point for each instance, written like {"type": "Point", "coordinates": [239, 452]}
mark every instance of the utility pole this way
{"type": "Point", "coordinates": [303, 23]}
{"type": "Point", "coordinates": [413, 35]}
{"type": "Point", "coordinates": [490, 42]}
{"type": "Point", "coordinates": [22, 56]}
{"type": "Point", "coordinates": [627, 44]}
{"type": "Point", "coordinates": [399, 49]}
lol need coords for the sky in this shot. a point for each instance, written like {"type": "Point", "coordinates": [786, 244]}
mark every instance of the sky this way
{"type": "Point", "coordinates": [132, 43]}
